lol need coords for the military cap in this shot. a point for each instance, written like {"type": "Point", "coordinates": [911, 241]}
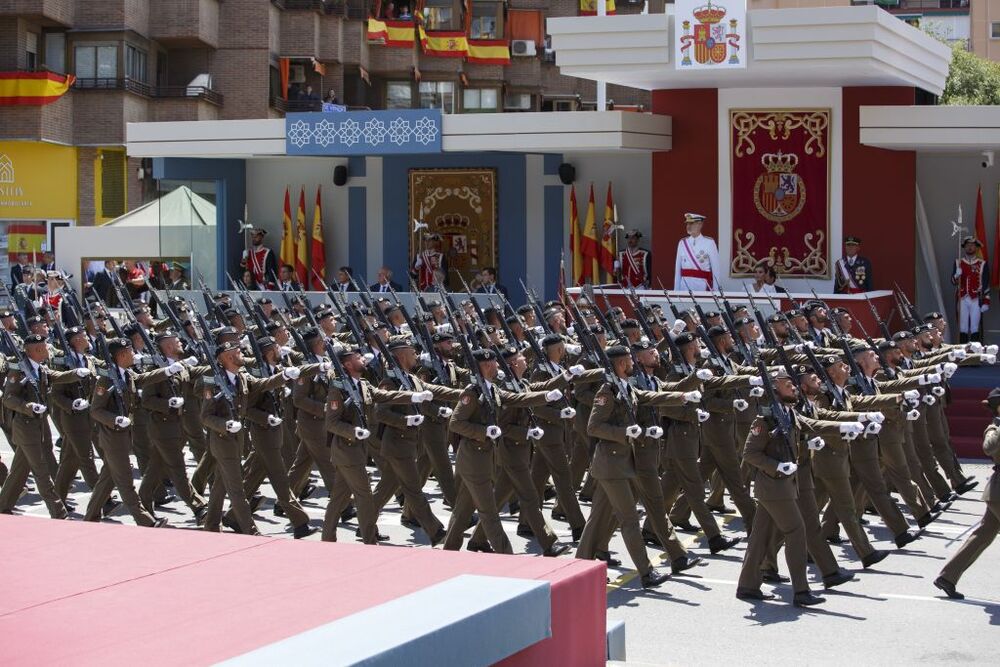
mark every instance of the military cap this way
{"type": "Point", "coordinates": [42, 310]}
{"type": "Point", "coordinates": [933, 315]}
{"type": "Point", "coordinates": [116, 345]}
{"type": "Point", "coordinates": [441, 337]}
{"type": "Point", "coordinates": [596, 329]}
{"type": "Point", "coordinates": [802, 370]}
{"type": "Point", "coordinates": [264, 301]}
{"type": "Point", "coordinates": [509, 352]}
{"type": "Point", "coordinates": [265, 342]}
{"type": "Point", "coordinates": [132, 329]}
{"type": "Point", "coordinates": [859, 349]}
{"type": "Point", "coordinates": [176, 298]}
{"type": "Point", "coordinates": [434, 303]}
{"type": "Point", "coordinates": [226, 331]}
{"type": "Point", "coordinates": [852, 240]}
{"type": "Point", "coordinates": [488, 330]}
{"type": "Point", "coordinates": [346, 351]}
{"type": "Point", "coordinates": [258, 230]}
{"type": "Point", "coordinates": [521, 310]}
{"type": "Point", "coordinates": [693, 217]}
{"type": "Point", "coordinates": [271, 327]}
{"type": "Point", "coordinates": [53, 274]}
{"type": "Point", "coordinates": [630, 324]}
{"type": "Point", "coordinates": [641, 345]}
{"type": "Point", "coordinates": [902, 335]}
{"type": "Point", "coordinates": [743, 321]}
{"type": "Point", "coordinates": [840, 310]}
{"type": "Point", "coordinates": [794, 312]}
{"type": "Point", "coordinates": [685, 338]}
{"type": "Point", "coordinates": [391, 309]}
{"type": "Point", "coordinates": [710, 314]}
{"type": "Point", "coordinates": [323, 314]}
{"type": "Point", "coordinates": [616, 351]}
{"type": "Point", "coordinates": [400, 342]}
{"type": "Point", "coordinates": [177, 266]}
{"type": "Point", "coordinates": [829, 360]}
{"type": "Point", "coordinates": [231, 312]}
{"type": "Point", "coordinates": [633, 233]}
{"type": "Point", "coordinates": [483, 354]}
{"type": "Point", "coordinates": [140, 308]}
{"type": "Point", "coordinates": [465, 302]}
{"type": "Point", "coordinates": [553, 303]}
{"type": "Point", "coordinates": [775, 318]}
{"type": "Point", "coordinates": [73, 331]}
{"type": "Point", "coordinates": [885, 345]}
{"type": "Point", "coordinates": [225, 347]}
{"type": "Point", "coordinates": [780, 374]}
{"type": "Point", "coordinates": [375, 327]}
{"type": "Point", "coordinates": [6, 313]}
{"type": "Point", "coordinates": [35, 338]}
{"type": "Point", "coordinates": [552, 312]}
{"type": "Point", "coordinates": [715, 332]}
{"type": "Point", "coordinates": [993, 399]}
{"type": "Point", "coordinates": [310, 335]}
{"type": "Point", "coordinates": [35, 319]}
{"type": "Point", "coordinates": [922, 328]}
{"type": "Point", "coordinates": [164, 335]}
{"type": "Point", "coordinates": [551, 339]}
{"type": "Point", "coordinates": [489, 311]}
{"type": "Point", "coordinates": [972, 239]}
{"type": "Point", "coordinates": [812, 306]}
{"type": "Point", "coordinates": [512, 319]}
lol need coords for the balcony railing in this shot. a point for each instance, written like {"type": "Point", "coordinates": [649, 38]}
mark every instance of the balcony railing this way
{"type": "Point", "coordinates": [922, 5]}
{"type": "Point", "coordinates": [279, 103]}
{"type": "Point", "coordinates": [146, 90]}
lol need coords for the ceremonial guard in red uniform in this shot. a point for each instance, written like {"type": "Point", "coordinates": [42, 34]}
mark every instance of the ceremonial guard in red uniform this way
{"type": "Point", "coordinates": [259, 260]}
{"type": "Point", "coordinates": [634, 264]}
{"type": "Point", "coordinates": [971, 275]}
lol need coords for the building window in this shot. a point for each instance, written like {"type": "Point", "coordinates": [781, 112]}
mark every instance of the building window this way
{"type": "Point", "coordinates": [110, 184]}
{"type": "Point", "coordinates": [135, 64]}
{"type": "Point", "coordinates": [398, 95]}
{"type": "Point", "coordinates": [995, 30]}
{"type": "Point", "coordinates": [31, 51]}
{"type": "Point", "coordinates": [518, 102]}
{"type": "Point", "coordinates": [480, 99]}
{"type": "Point", "coordinates": [487, 20]}
{"type": "Point", "coordinates": [96, 62]}
{"type": "Point", "coordinates": [440, 15]}
{"type": "Point", "coordinates": [55, 51]}
{"type": "Point", "coordinates": [437, 95]}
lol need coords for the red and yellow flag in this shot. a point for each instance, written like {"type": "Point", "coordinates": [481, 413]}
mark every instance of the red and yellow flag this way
{"type": "Point", "coordinates": [608, 239]}
{"type": "Point", "coordinates": [25, 239]}
{"type": "Point", "coordinates": [33, 88]}
{"type": "Point", "coordinates": [489, 52]}
{"type": "Point", "coordinates": [574, 238]}
{"type": "Point", "coordinates": [588, 244]}
{"type": "Point", "coordinates": [301, 246]}
{"type": "Point", "coordinates": [287, 234]}
{"type": "Point", "coordinates": [318, 246]}
{"type": "Point", "coordinates": [444, 44]}
{"type": "Point", "coordinates": [399, 34]}
{"type": "Point", "coordinates": [589, 7]}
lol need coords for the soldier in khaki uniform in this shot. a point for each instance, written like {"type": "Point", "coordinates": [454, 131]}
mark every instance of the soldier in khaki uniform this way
{"type": "Point", "coordinates": [612, 424]}
{"type": "Point", "coordinates": [25, 398]}
{"type": "Point", "coordinates": [116, 398]}
{"type": "Point", "coordinates": [72, 400]}
{"type": "Point", "coordinates": [309, 399]}
{"type": "Point", "coordinates": [987, 530]}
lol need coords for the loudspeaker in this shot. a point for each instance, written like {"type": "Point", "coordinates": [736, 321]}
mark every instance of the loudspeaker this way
{"type": "Point", "coordinates": [567, 173]}
{"type": "Point", "coordinates": [339, 175]}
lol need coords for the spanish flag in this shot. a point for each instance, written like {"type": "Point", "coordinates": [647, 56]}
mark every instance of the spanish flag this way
{"type": "Point", "coordinates": [318, 246]}
{"type": "Point", "coordinates": [589, 7]}
{"type": "Point", "coordinates": [489, 52]}
{"type": "Point", "coordinates": [608, 239]}
{"type": "Point", "coordinates": [287, 235]}
{"type": "Point", "coordinates": [378, 31]}
{"type": "Point", "coordinates": [25, 239]}
{"type": "Point", "coordinates": [301, 247]}
{"type": "Point", "coordinates": [399, 34]}
{"type": "Point", "coordinates": [33, 88]}
{"type": "Point", "coordinates": [588, 244]}
{"type": "Point", "coordinates": [574, 238]}
{"type": "Point", "coordinates": [444, 44]}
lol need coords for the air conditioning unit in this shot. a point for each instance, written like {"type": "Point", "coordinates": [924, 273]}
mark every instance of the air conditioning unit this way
{"type": "Point", "coordinates": [517, 102]}
{"type": "Point", "coordinates": [522, 47]}
{"type": "Point", "coordinates": [297, 73]}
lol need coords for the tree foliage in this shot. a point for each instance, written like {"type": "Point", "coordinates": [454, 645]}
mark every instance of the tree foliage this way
{"type": "Point", "coordinates": [971, 80]}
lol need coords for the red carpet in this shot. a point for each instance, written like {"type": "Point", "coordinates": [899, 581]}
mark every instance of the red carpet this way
{"type": "Point", "coordinates": [107, 594]}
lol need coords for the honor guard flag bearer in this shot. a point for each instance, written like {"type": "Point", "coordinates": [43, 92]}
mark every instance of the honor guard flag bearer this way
{"type": "Point", "coordinates": [697, 265]}
{"type": "Point", "coordinates": [634, 264]}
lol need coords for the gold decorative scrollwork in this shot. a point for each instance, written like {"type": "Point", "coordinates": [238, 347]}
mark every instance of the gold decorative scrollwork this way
{"type": "Point", "coordinates": [779, 124]}
{"type": "Point", "coordinates": [813, 264]}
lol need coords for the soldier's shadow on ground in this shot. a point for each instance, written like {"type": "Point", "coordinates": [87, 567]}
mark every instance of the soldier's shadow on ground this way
{"type": "Point", "coordinates": [771, 613]}
{"type": "Point", "coordinates": [990, 607]}
{"type": "Point", "coordinates": [630, 597]}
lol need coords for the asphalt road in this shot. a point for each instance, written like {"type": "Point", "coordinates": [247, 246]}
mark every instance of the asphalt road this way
{"type": "Point", "coordinates": [888, 616]}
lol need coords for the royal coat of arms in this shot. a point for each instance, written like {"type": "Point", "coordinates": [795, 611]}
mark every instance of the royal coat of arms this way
{"type": "Point", "coordinates": [779, 193]}
{"type": "Point", "coordinates": [714, 30]}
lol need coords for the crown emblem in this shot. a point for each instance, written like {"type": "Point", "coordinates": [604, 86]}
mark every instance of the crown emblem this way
{"type": "Point", "coordinates": [709, 13]}
{"type": "Point", "coordinates": [452, 220]}
{"type": "Point", "coordinates": [779, 163]}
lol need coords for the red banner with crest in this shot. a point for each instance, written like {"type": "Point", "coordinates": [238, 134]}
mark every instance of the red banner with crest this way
{"type": "Point", "coordinates": [781, 191]}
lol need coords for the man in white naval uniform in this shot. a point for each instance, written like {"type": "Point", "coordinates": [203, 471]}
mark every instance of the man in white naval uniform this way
{"type": "Point", "coordinates": [697, 265]}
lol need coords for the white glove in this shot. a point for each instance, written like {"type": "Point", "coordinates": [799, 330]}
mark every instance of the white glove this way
{"type": "Point", "coordinates": [421, 396]}
{"type": "Point", "coordinates": [190, 361]}
{"type": "Point", "coordinates": [501, 376]}
{"type": "Point", "coordinates": [175, 402]}
{"type": "Point", "coordinates": [654, 432]}
{"type": "Point", "coordinates": [37, 408]}
{"type": "Point", "coordinates": [425, 359]}
{"type": "Point", "coordinates": [937, 391]}
{"type": "Point", "coordinates": [989, 359]}
{"type": "Point", "coordinates": [414, 420]}
{"type": "Point", "coordinates": [80, 404]}
{"type": "Point", "coordinates": [874, 417]}
{"type": "Point", "coordinates": [233, 426]}
{"type": "Point", "coordinates": [633, 431]}
{"type": "Point", "coordinates": [702, 416]}
{"type": "Point", "coordinates": [913, 415]}
{"type": "Point", "coordinates": [361, 433]}
{"type": "Point", "coordinates": [571, 330]}
{"type": "Point", "coordinates": [567, 413]}
{"type": "Point", "coordinates": [975, 347]}
{"type": "Point", "coordinates": [692, 396]}
{"type": "Point", "coordinates": [291, 373]}
{"type": "Point", "coordinates": [139, 358]}
{"type": "Point", "coordinates": [83, 372]}
{"type": "Point", "coordinates": [274, 420]}
{"type": "Point", "coordinates": [851, 427]}
{"type": "Point", "coordinates": [284, 351]}
{"type": "Point", "coordinates": [704, 353]}
{"type": "Point", "coordinates": [123, 422]}
{"type": "Point", "coordinates": [911, 394]}
{"type": "Point", "coordinates": [704, 374]}
{"type": "Point", "coordinates": [554, 395]}
{"type": "Point", "coordinates": [957, 355]}
{"type": "Point", "coordinates": [740, 404]}
{"type": "Point", "coordinates": [816, 444]}
{"type": "Point", "coordinates": [787, 468]}
{"type": "Point", "coordinates": [173, 369]}
{"type": "Point", "coordinates": [444, 328]}
{"type": "Point", "coordinates": [929, 400]}
{"type": "Point", "coordinates": [367, 357]}
{"type": "Point", "coordinates": [535, 433]}
{"type": "Point", "coordinates": [325, 366]}
{"type": "Point", "coordinates": [286, 392]}
{"type": "Point", "coordinates": [493, 432]}
{"type": "Point", "coordinates": [992, 349]}
{"type": "Point", "coordinates": [929, 378]}
{"type": "Point", "coordinates": [756, 381]}
{"type": "Point", "coordinates": [873, 429]}
{"type": "Point", "coordinates": [576, 369]}
{"type": "Point", "coordinates": [445, 412]}
{"type": "Point", "coordinates": [983, 308]}
{"type": "Point", "coordinates": [678, 327]}
{"type": "Point", "coordinates": [573, 350]}
{"type": "Point", "coordinates": [757, 392]}
{"type": "Point", "coordinates": [948, 369]}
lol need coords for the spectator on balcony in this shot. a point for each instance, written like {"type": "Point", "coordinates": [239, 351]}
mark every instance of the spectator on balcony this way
{"type": "Point", "coordinates": [48, 261]}
{"type": "Point", "coordinates": [18, 270]}
{"type": "Point", "coordinates": [331, 97]}
{"type": "Point", "coordinates": [286, 279]}
{"type": "Point", "coordinates": [250, 282]}
{"type": "Point", "coordinates": [390, 11]}
{"type": "Point", "coordinates": [404, 13]}
{"type": "Point", "coordinates": [309, 95]}
{"type": "Point", "coordinates": [343, 283]}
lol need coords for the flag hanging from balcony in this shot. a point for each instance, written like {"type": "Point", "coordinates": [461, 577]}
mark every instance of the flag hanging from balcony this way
{"type": "Point", "coordinates": [589, 7]}
{"type": "Point", "coordinates": [450, 44]}
{"type": "Point", "coordinates": [287, 234]}
{"type": "Point", "coordinates": [489, 52]}
{"type": "Point", "coordinates": [301, 246]}
{"type": "Point", "coordinates": [318, 246]}
{"type": "Point", "coordinates": [398, 34]}
{"type": "Point", "coordinates": [33, 88]}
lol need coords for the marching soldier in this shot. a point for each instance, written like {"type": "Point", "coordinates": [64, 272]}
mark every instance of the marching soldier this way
{"type": "Point", "coordinates": [72, 400]}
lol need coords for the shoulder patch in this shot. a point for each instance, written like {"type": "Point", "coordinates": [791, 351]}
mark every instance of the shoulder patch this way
{"type": "Point", "coordinates": [757, 429]}
{"type": "Point", "coordinates": [334, 405]}
{"type": "Point", "coordinates": [466, 399]}
{"type": "Point", "coordinates": [100, 389]}
{"type": "Point", "coordinates": [600, 400]}
{"type": "Point", "coordinates": [208, 393]}
{"type": "Point", "coordinates": [301, 381]}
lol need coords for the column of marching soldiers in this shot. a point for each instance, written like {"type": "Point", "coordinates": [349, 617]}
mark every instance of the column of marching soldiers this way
{"type": "Point", "coordinates": [802, 422]}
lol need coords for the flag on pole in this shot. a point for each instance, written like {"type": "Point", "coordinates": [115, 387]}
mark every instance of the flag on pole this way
{"type": "Point", "coordinates": [574, 238]}
{"type": "Point", "coordinates": [588, 244]}
{"type": "Point", "coordinates": [608, 249]}
{"type": "Point", "coordinates": [984, 249]}
{"type": "Point", "coordinates": [318, 247]}
{"type": "Point", "coordinates": [287, 234]}
{"type": "Point", "coordinates": [561, 290]}
{"type": "Point", "coordinates": [301, 247]}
